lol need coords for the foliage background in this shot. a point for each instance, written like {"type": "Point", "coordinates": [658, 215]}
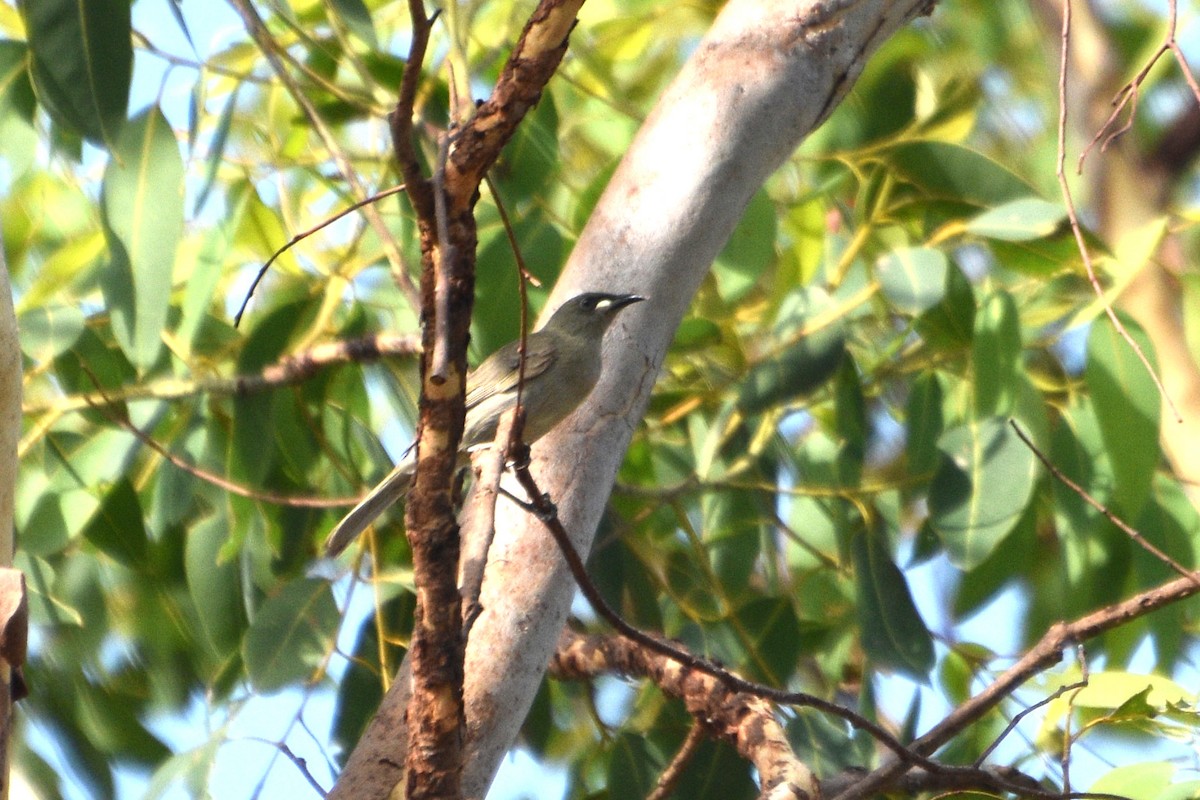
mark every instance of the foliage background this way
{"type": "Point", "coordinates": [833, 413]}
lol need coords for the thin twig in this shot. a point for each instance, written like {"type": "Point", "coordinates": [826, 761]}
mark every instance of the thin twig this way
{"type": "Point", "coordinates": [523, 276]}
{"type": "Point", "coordinates": [1046, 652]}
{"type": "Point", "coordinates": [286, 371]}
{"type": "Point", "coordinates": [1073, 217]}
{"type": "Point", "coordinates": [540, 506]}
{"type": "Point", "coordinates": [1128, 95]}
{"type": "Point", "coordinates": [292, 501]}
{"type": "Point", "coordinates": [299, 237]}
{"type": "Point", "coordinates": [275, 56]}
{"type": "Point", "coordinates": [665, 785]}
{"type": "Point", "coordinates": [1016, 720]}
{"type": "Point", "coordinates": [1127, 529]}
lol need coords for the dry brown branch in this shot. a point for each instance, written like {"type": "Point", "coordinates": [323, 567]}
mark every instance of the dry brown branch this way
{"type": "Point", "coordinates": [287, 371]}
{"type": "Point", "coordinates": [743, 720]}
{"type": "Point", "coordinates": [1125, 527]}
{"type": "Point", "coordinates": [665, 785]}
{"type": "Point", "coordinates": [1045, 653]}
{"type": "Point", "coordinates": [1073, 217]}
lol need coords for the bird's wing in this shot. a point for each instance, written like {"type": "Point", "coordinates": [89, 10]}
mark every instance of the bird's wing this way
{"type": "Point", "coordinates": [498, 373]}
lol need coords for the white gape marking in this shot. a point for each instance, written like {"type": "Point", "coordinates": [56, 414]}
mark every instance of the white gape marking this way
{"type": "Point", "coordinates": [603, 304]}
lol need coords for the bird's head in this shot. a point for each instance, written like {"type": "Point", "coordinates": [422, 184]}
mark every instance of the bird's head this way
{"type": "Point", "coordinates": [591, 312]}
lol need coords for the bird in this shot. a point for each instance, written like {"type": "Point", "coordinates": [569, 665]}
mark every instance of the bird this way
{"type": "Point", "coordinates": [562, 365]}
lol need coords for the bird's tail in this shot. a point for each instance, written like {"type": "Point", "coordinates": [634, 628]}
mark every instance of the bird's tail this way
{"type": "Point", "coordinates": [389, 490]}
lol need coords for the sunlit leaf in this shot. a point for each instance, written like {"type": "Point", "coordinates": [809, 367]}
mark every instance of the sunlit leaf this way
{"type": "Point", "coordinates": [1127, 408]}
{"type": "Point", "coordinates": [289, 634]}
{"type": "Point", "coordinates": [1019, 220]}
{"type": "Point", "coordinates": [996, 355]}
{"type": "Point", "coordinates": [143, 214]}
{"type": "Point", "coordinates": [913, 278]}
{"type": "Point", "coordinates": [958, 173]}
{"type": "Point", "coordinates": [966, 510]}
{"type": "Point", "coordinates": [48, 331]}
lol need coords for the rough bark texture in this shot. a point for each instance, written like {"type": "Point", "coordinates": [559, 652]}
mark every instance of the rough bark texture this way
{"type": "Point", "coordinates": [744, 721]}
{"type": "Point", "coordinates": [435, 717]}
{"type": "Point", "coordinates": [417, 737]}
{"type": "Point", "coordinates": [765, 76]}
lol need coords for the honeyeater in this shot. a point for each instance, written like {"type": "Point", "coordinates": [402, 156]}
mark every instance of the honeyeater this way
{"type": "Point", "coordinates": [562, 365]}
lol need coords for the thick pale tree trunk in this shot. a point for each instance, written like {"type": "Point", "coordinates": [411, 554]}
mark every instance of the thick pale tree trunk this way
{"type": "Point", "coordinates": [767, 74]}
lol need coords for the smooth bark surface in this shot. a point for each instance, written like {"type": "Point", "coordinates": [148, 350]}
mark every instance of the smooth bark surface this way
{"type": "Point", "coordinates": [765, 76]}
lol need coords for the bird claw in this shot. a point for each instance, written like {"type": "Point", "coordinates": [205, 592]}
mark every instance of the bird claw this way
{"type": "Point", "coordinates": [545, 509]}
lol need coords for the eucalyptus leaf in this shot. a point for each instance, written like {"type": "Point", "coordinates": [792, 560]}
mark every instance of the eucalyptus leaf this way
{"type": "Point", "coordinates": [751, 247]}
{"type": "Point", "coordinates": [1126, 402]}
{"type": "Point", "coordinates": [981, 489]}
{"type": "Point", "coordinates": [143, 216]}
{"type": "Point", "coordinates": [82, 63]}
{"type": "Point", "coordinates": [1019, 220]}
{"type": "Point", "coordinates": [913, 278]}
{"type": "Point", "coordinates": [289, 636]}
{"type": "Point", "coordinates": [893, 633]}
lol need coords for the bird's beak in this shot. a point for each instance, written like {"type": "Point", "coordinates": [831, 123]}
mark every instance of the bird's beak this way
{"type": "Point", "coordinates": [625, 300]}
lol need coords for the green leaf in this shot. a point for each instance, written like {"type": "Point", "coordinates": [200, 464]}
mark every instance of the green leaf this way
{"type": "Point", "coordinates": [192, 768]}
{"type": "Point", "coordinates": [716, 771]}
{"type": "Point", "coordinates": [775, 642]}
{"type": "Point", "coordinates": [733, 529]}
{"type": "Point", "coordinates": [750, 249]}
{"type": "Point", "coordinates": [850, 423]}
{"type": "Point", "coordinates": [357, 19]}
{"type": "Point", "coordinates": [48, 331]}
{"type": "Point", "coordinates": [996, 355]}
{"type": "Point", "coordinates": [529, 162]}
{"type": "Point", "coordinates": [799, 368]}
{"type": "Point", "coordinates": [913, 278]}
{"type": "Point", "coordinates": [82, 63]}
{"type": "Point", "coordinates": [822, 742]}
{"type": "Point", "coordinates": [215, 587]}
{"type": "Point", "coordinates": [16, 90]}
{"type": "Point", "coordinates": [893, 634]}
{"type": "Point", "coordinates": [1127, 407]}
{"type": "Point", "coordinates": [632, 766]}
{"type": "Point", "coordinates": [691, 588]}
{"type": "Point", "coordinates": [924, 424]}
{"type": "Point", "coordinates": [1019, 220]}
{"type": "Point", "coordinates": [956, 173]}
{"type": "Point", "coordinates": [116, 528]}
{"type": "Point", "coordinates": [290, 635]}
{"type": "Point", "coordinates": [981, 488]}
{"type": "Point", "coordinates": [950, 324]}
{"type": "Point", "coordinates": [143, 216]}
{"type": "Point", "coordinates": [1149, 780]}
